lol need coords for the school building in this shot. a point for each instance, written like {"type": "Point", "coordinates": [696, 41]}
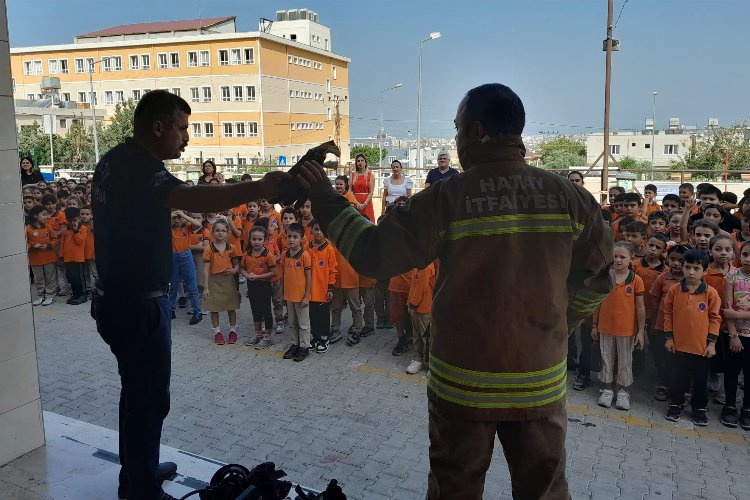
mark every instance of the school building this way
{"type": "Point", "coordinates": [257, 97]}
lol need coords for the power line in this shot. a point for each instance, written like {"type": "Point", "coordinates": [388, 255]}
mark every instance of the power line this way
{"type": "Point", "coordinates": [620, 14]}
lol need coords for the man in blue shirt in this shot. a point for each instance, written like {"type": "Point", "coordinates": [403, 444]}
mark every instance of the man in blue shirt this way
{"type": "Point", "coordinates": [442, 171]}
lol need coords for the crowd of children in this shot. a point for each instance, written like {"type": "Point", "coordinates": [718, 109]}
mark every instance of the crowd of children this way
{"type": "Point", "coordinates": [682, 290]}
{"type": "Point", "coordinates": [293, 278]}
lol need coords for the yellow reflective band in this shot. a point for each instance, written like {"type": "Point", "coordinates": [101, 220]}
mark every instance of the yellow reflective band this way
{"type": "Point", "coordinates": [492, 380]}
{"type": "Point", "coordinates": [585, 300]}
{"type": "Point", "coordinates": [352, 232]}
{"type": "Point", "coordinates": [517, 223]}
{"type": "Point", "coordinates": [528, 399]}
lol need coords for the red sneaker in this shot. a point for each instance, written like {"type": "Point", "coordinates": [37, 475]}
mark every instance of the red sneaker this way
{"type": "Point", "coordinates": [232, 337]}
{"type": "Point", "coordinates": [219, 339]}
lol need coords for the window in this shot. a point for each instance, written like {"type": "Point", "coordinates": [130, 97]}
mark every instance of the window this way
{"type": "Point", "coordinates": [53, 67]}
{"type": "Point", "coordinates": [197, 160]}
{"type": "Point", "coordinates": [334, 72]}
{"type": "Point", "coordinates": [31, 97]}
{"type": "Point", "coordinates": [174, 60]}
{"type": "Point", "coordinates": [192, 59]}
{"type": "Point", "coordinates": [146, 91]}
{"type": "Point", "coordinates": [225, 94]}
{"type": "Point", "coordinates": [206, 94]}
{"type": "Point", "coordinates": [290, 59]}
{"type": "Point", "coordinates": [223, 57]}
{"type": "Point", "coordinates": [248, 56]}
{"type": "Point", "coordinates": [32, 67]}
{"type": "Point", "coordinates": [81, 97]}
{"type": "Point", "coordinates": [670, 149]}
{"type": "Point", "coordinates": [113, 63]}
{"type": "Point", "coordinates": [63, 66]}
{"type": "Point", "coordinates": [252, 129]}
{"type": "Point", "coordinates": [109, 97]}
{"type": "Point", "coordinates": [162, 60]}
{"type": "Point", "coordinates": [238, 94]}
{"type": "Point", "coordinates": [236, 56]}
{"type": "Point", "coordinates": [145, 61]}
{"type": "Point", "coordinates": [89, 65]}
{"type": "Point", "coordinates": [79, 65]}
{"type": "Point", "coordinates": [136, 95]}
{"type": "Point", "coordinates": [239, 129]}
{"type": "Point", "coordinates": [293, 37]}
{"type": "Point", "coordinates": [647, 146]}
{"type": "Point", "coordinates": [632, 144]}
{"type": "Point", "coordinates": [197, 131]}
{"type": "Point", "coordinates": [614, 149]}
{"type": "Point", "coordinates": [119, 96]}
{"type": "Point", "coordinates": [63, 123]}
{"type": "Point", "coordinates": [205, 58]}
{"type": "Point", "coordinates": [329, 114]}
{"type": "Point", "coordinates": [296, 60]}
{"type": "Point", "coordinates": [176, 91]}
{"type": "Point", "coordinates": [208, 129]}
{"type": "Point", "coordinates": [241, 161]}
{"type": "Point", "coordinates": [249, 92]}
{"type": "Point", "coordinates": [226, 130]}
{"type": "Point", "coordinates": [134, 62]}
{"type": "Point", "coordinates": [293, 126]}
{"type": "Point", "coordinates": [194, 94]}
{"type": "Point", "coordinates": [229, 161]}
{"type": "Point", "coordinates": [66, 96]}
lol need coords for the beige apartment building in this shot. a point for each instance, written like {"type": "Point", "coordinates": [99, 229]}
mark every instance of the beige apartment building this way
{"type": "Point", "coordinates": [256, 97]}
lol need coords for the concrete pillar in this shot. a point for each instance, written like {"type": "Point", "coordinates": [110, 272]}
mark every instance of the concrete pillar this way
{"type": "Point", "coordinates": [21, 428]}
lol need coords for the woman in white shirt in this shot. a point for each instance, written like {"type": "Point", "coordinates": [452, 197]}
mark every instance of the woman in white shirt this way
{"type": "Point", "coordinates": [396, 185]}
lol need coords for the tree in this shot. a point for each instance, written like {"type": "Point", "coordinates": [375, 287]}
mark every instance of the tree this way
{"type": "Point", "coordinates": [562, 152]}
{"type": "Point", "coordinates": [630, 164]}
{"type": "Point", "coordinates": [709, 151]}
{"type": "Point", "coordinates": [119, 129]}
{"type": "Point", "coordinates": [370, 153]}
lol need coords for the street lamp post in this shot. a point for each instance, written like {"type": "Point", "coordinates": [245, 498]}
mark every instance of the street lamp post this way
{"type": "Point", "coordinates": [433, 36]}
{"type": "Point", "coordinates": [380, 146]}
{"type": "Point", "coordinates": [93, 105]}
{"type": "Point", "coordinates": [653, 132]}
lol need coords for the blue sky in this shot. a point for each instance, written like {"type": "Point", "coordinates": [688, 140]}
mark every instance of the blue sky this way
{"type": "Point", "coordinates": [549, 51]}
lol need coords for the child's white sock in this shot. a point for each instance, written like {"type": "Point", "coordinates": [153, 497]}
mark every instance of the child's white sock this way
{"type": "Point", "coordinates": [217, 330]}
{"type": "Point", "coordinates": [233, 328]}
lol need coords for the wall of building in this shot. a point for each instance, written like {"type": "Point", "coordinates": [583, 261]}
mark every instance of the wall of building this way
{"type": "Point", "coordinates": [637, 145]}
{"type": "Point", "coordinates": [21, 428]}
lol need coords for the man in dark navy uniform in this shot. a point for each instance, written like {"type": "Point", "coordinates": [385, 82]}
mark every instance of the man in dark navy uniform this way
{"type": "Point", "coordinates": [131, 198]}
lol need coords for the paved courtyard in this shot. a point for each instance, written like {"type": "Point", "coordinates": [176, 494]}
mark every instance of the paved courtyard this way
{"type": "Point", "coordinates": [354, 415]}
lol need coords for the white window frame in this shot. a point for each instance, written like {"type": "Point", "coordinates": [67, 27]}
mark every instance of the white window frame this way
{"type": "Point", "coordinates": [206, 94]}
{"type": "Point", "coordinates": [65, 96]}
{"type": "Point", "coordinates": [235, 96]}
{"type": "Point", "coordinates": [226, 93]}
{"type": "Point", "coordinates": [671, 149]}
{"type": "Point", "coordinates": [136, 94]}
{"type": "Point", "coordinates": [79, 67]}
{"type": "Point", "coordinates": [64, 68]}
{"type": "Point", "coordinates": [31, 97]}
{"type": "Point", "coordinates": [224, 62]}
{"type": "Point", "coordinates": [241, 161]}
{"type": "Point", "coordinates": [249, 92]}
{"type": "Point", "coordinates": [204, 58]}
{"type": "Point", "coordinates": [197, 130]}
{"type": "Point", "coordinates": [227, 129]}
{"type": "Point", "coordinates": [208, 129]}
{"type": "Point", "coordinates": [53, 66]}
{"type": "Point", "coordinates": [109, 98]}
{"type": "Point", "coordinates": [192, 58]}
{"type": "Point", "coordinates": [334, 72]}
{"type": "Point", "coordinates": [293, 126]}
{"type": "Point", "coordinates": [328, 85]}
{"type": "Point", "coordinates": [145, 61]}
{"type": "Point", "coordinates": [251, 53]}
{"type": "Point", "coordinates": [614, 149]}
{"type": "Point", "coordinates": [176, 91]}
{"type": "Point", "coordinates": [134, 59]}
{"type": "Point", "coordinates": [195, 94]}
{"type": "Point", "coordinates": [289, 59]}
{"type": "Point", "coordinates": [251, 129]}
{"type": "Point", "coordinates": [162, 60]}
{"type": "Point", "coordinates": [235, 56]}
{"type": "Point", "coordinates": [83, 97]}
{"type": "Point", "coordinates": [89, 65]}
{"type": "Point", "coordinates": [239, 129]}
{"type": "Point", "coordinates": [119, 96]}
{"type": "Point", "coordinates": [174, 59]}
{"type": "Point", "coordinates": [229, 161]}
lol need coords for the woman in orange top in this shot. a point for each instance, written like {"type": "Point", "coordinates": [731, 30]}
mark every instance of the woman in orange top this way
{"type": "Point", "coordinates": [73, 252]}
{"type": "Point", "coordinates": [41, 247]}
{"type": "Point", "coordinates": [220, 291]}
{"type": "Point", "coordinates": [363, 187]}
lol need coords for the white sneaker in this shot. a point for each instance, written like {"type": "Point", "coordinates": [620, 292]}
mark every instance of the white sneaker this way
{"type": "Point", "coordinates": [280, 326]}
{"type": "Point", "coordinates": [38, 301]}
{"type": "Point", "coordinates": [605, 399]}
{"type": "Point", "coordinates": [414, 367]}
{"type": "Point", "coordinates": [242, 280]}
{"type": "Point", "coordinates": [48, 301]}
{"type": "Point", "coordinates": [623, 400]}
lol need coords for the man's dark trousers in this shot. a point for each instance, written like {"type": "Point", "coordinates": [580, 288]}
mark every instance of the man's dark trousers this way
{"type": "Point", "coordinates": [138, 331]}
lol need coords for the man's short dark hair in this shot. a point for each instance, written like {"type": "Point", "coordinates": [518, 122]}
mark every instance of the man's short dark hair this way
{"type": "Point", "coordinates": [672, 197]}
{"type": "Point", "coordinates": [157, 105]}
{"type": "Point", "coordinates": [697, 257]}
{"type": "Point", "coordinates": [496, 107]}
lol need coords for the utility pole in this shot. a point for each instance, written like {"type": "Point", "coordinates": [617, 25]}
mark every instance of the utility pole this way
{"type": "Point", "coordinates": [607, 84]}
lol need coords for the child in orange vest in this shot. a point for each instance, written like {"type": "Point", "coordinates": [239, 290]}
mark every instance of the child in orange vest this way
{"type": "Point", "coordinates": [73, 252]}
{"type": "Point", "coordinates": [41, 247]}
{"type": "Point", "coordinates": [323, 275]}
{"type": "Point", "coordinates": [419, 304]}
{"type": "Point", "coordinates": [258, 266]}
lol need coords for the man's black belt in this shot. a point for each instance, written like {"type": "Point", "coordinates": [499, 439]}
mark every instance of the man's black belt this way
{"type": "Point", "coordinates": [143, 295]}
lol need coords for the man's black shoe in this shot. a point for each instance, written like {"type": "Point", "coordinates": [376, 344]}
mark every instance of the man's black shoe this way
{"type": "Point", "coordinates": [400, 347]}
{"type": "Point", "coordinates": [197, 318]}
{"type": "Point", "coordinates": [166, 471]}
{"type": "Point", "coordinates": [78, 299]}
{"type": "Point", "coordinates": [581, 382]}
{"type": "Point", "coordinates": [174, 315]}
{"type": "Point", "coordinates": [182, 302]}
{"type": "Point", "coordinates": [366, 331]}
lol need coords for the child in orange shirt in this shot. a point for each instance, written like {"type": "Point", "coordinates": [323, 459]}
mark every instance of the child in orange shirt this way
{"type": "Point", "coordinates": [267, 210]}
{"type": "Point", "coordinates": [247, 224]}
{"type": "Point", "coordinates": [306, 219]}
{"type": "Point", "coordinates": [691, 324]}
{"type": "Point", "coordinates": [41, 247]}
{"type": "Point", "coordinates": [619, 324]}
{"type": "Point", "coordinates": [56, 224]}
{"type": "Point", "coordinates": [399, 287]}
{"type": "Point", "coordinates": [183, 269]}
{"type": "Point", "coordinates": [90, 274]}
{"type": "Point", "coordinates": [72, 249]}
{"type": "Point", "coordinates": [420, 307]}
{"type": "Point", "coordinates": [636, 233]}
{"type": "Point", "coordinates": [323, 275]}
{"type": "Point", "coordinates": [258, 266]}
{"type": "Point", "coordinates": [346, 291]}
{"type": "Point", "coordinates": [297, 288]}
{"type": "Point", "coordinates": [221, 263]}
{"type": "Point", "coordinates": [658, 222]}
{"type": "Point", "coordinates": [199, 239]}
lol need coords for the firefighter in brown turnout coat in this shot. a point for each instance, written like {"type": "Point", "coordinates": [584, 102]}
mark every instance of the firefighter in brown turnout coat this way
{"type": "Point", "coordinates": [524, 256]}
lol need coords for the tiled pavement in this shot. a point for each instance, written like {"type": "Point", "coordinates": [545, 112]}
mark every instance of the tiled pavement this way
{"type": "Point", "coordinates": [352, 414]}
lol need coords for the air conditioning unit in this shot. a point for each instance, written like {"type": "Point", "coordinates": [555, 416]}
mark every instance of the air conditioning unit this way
{"type": "Point", "coordinates": [50, 83]}
{"type": "Point", "coordinates": [713, 123]}
{"type": "Point", "coordinates": [649, 123]}
{"type": "Point", "coordinates": [281, 15]}
{"type": "Point", "coordinates": [674, 123]}
{"type": "Point", "coordinates": [293, 15]}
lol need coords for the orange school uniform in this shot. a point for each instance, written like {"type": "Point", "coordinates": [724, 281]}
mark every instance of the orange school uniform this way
{"type": "Point", "coordinates": [649, 274]}
{"type": "Point", "coordinates": [181, 238]}
{"type": "Point", "coordinates": [198, 236]}
{"type": "Point", "coordinates": [692, 318]}
{"type": "Point", "coordinates": [55, 221]}
{"type": "Point", "coordinates": [273, 214]}
{"type": "Point", "coordinates": [72, 246]}
{"type": "Point", "coordinates": [220, 261]}
{"type": "Point", "coordinates": [661, 286]}
{"type": "Point", "coordinates": [261, 263]}
{"type": "Point", "coordinates": [420, 293]}
{"type": "Point", "coordinates": [274, 250]}
{"type": "Point", "coordinates": [295, 281]}
{"type": "Point", "coordinates": [347, 277]}
{"type": "Point", "coordinates": [42, 236]}
{"type": "Point", "coordinates": [715, 279]}
{"type": "Point", "coordinates": [651, 208]}
{"type": "Point", "coordinates": [324, 270]}
{"type": "Point", "coordinates": [617, 311]}
{"type": "Point", "coordinates": [616, 226]}
{"type": "Point", "coordinates": [89, 249]}
{"type": "Point", "coordinates": [402, 282]}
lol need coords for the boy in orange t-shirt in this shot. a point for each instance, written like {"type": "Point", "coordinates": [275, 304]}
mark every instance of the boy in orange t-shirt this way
{"type": "Point", "coordinates": [692, 317]}
{"type": "Point", "coordinates": [258, 266]}
{"type": "Point", "coordinates": [249, 222]}
{"type": "Point", "coordinates": [323, 275]}
{"type": "Point", "coordinates": [619, 324]}
{"type": "Point", "coordinates": [183, 266]}
{"type": "Point", "coordinates": [90, 274]}
{"type": "Point", "coordinates": [41, 247]}
{"type": "Point", "coordinates": [419, 304]}
{"type": "Point", "coordinates": [297, 265]}
{"type": "Point", "coordinates": [306, 219]}
{"type": "Point", "coordinates": [72, 250]}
